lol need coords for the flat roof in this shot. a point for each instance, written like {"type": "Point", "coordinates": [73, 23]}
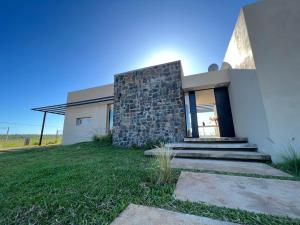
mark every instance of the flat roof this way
{"type": "Point", "coordinates": [60, 109]}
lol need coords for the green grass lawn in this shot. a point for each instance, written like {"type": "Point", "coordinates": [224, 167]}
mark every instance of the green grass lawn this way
{"type": "Point", "coordinates": [90, 184]}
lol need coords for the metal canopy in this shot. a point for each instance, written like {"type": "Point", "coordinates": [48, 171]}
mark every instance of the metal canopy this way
{"type": "Point", "coordinates": [61, 108]}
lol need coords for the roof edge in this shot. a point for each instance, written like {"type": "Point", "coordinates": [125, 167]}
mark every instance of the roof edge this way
{"type": "Point", "coordinates": [148, 67]}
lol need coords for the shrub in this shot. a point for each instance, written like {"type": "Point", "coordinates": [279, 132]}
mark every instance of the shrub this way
{"type": "Point", "coordinates": [103, 140]}
{"type": "Point", "coordinates": [163, 162]}
{"type": "Point", "coordinates": [291, 160]}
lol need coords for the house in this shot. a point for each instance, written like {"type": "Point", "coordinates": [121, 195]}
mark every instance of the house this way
{"type": "Point", "coordinates": [255, 93]}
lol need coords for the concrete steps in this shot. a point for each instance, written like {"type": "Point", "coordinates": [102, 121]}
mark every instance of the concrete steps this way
{"type": "Point", "coordinates": [217, 140]}
{"type": "Point", "coordinates": [211, 154]}
{"type": "Point", "coordinates": [213, 146]}
{"type": "Point", "coordinates": [237, 149]}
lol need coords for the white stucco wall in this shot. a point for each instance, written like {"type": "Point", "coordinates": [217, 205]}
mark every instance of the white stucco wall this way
{"type": "Point", "coordinates": [274, 33]}
{"type": "Point", "coordinates": [247, 109]}
{"type": "Point", "coordinates": [205, 80]}
{"type": "Point", "coordinates": [239, 53]}
{"type": "Point", "coordinates": [74, 134]}
{"type": "Point", "coordinates": [274, 36]}
{"type": "Point", "coordinates": [97, 111]}
{"type": "Point", "coordinates": [89, 93]}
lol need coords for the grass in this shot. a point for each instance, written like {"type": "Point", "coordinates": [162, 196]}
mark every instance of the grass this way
{"type": "Point", "coordinates": [291, 161]}
{"type": "Point", "coordinates": [18, 140]}
{"type": "Point", "coordinates": [103, 140]}
{"type": "Point", "coordinates": [89, 184]}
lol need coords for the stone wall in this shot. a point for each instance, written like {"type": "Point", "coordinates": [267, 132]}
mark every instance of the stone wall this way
{"type": "Point", "coordinates": [149, 105]}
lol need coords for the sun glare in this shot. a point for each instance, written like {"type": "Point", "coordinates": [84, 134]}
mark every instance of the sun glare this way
{"type": "Point", "coordinates": [168, 56]}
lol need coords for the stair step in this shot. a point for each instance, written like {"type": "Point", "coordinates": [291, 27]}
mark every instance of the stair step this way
{"type": "Point", "coordinates": [223, 155]}
{"type": "Point", "coordinates": [227, 166]}
{"type": "Point", "coordinates": [213, 146]}
{"type": "Point", "coordinates": [217, 140]}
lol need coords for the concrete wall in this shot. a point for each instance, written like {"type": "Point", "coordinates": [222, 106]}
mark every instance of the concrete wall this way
{"type": "Point", "coordinates": [205, 80]}
{"type": "Point", "coordinates": [248, 110]}
{"type": "Point", "coordinates": [239, 53]}
{"type": "Point", "coordinates": [90, 93]}
{"type": "Point", "coordinates": [273, 32]}
{"type": "Point", "coordinates": [97, 111]}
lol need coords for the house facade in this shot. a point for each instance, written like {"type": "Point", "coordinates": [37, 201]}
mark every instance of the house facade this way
{"type": "Point", "coordinates": [255, 93]}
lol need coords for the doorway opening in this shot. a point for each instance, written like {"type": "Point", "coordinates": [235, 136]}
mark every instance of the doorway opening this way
{"type": "Point", "coordinates": [207, 115]}
{"type": "Point", "coordinates": [201, 114]}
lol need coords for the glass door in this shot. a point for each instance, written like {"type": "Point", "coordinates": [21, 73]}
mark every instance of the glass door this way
{"type": "Point", "coordinates": [207, 116]}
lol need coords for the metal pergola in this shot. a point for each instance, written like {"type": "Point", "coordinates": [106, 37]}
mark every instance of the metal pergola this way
{"type": "Point", "coordinates": [60, 109]}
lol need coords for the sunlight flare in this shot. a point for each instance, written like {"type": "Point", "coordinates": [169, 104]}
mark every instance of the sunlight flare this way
{"type": "Point", "coordinates": [166, 56]}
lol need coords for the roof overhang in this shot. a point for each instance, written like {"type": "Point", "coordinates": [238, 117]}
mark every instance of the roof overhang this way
{"type": "Point", "coordinates": [207, 80]}
{"type": "Point", "coordinates": [60, 109]}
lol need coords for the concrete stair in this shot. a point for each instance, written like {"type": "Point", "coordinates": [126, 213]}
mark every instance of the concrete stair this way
{"type": "Point", "coordinates": [213, 146]}
{"type": "Point", "coordinates": [217, 140]}
{"type": "Point", "coordinates": [221, 155]}
{"type": "Point", "coordinates": [237, 149]}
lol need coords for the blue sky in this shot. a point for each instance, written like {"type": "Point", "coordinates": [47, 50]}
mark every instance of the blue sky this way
{"type": "Point", "coordinates": [51, 47]}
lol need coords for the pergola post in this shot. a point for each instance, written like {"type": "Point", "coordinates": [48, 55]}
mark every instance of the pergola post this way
{"type": "Point", "coordinates": [42, 131]}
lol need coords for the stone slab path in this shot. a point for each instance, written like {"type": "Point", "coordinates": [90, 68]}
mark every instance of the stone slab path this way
{"type": "Point", "coordinates": [260, 195]}
{"type": "Point", "coordinates": [143, 215]}
{"type": "Point", "coordinates": [227, 166]}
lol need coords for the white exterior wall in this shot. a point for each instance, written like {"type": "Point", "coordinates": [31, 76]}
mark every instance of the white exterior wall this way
{"type": "Point", "coordinates": [205, 80]}
{"type": "Point", "coordinates": [239, 53]}
{"type": "Point", "coordinates": [273, 32]}
{"type": "Point", "coordinates": [247, 109]}
{"type": "Point", "coordinates": [97, 111]}
{"type": "Point", "coordinates": [98, 125]}
{"type": "Point", "coordinates": [90, 93]}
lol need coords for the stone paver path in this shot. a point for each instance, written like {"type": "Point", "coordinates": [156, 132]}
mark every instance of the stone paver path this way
{"type": "Point", "coordinates": [143, 215]}
{"type": "Point", "coordinates": [260, 195]}
{"type": "Point", "coordinates": [227, 166]}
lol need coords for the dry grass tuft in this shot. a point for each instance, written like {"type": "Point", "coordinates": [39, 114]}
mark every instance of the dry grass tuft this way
{"type": "Point", "coordinates": [291, 160]}
{"type": "Point", "coordinates": [163, 160]}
